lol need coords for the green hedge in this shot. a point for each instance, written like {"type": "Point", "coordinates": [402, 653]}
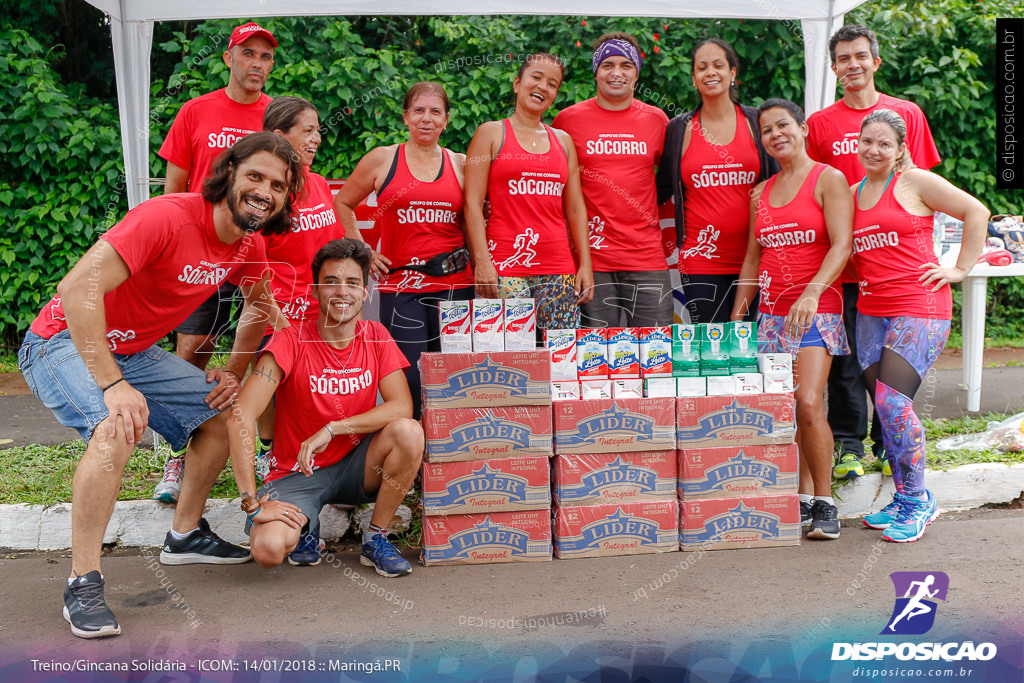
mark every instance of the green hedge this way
{"type": "Point", "coordinates": [61, 185]}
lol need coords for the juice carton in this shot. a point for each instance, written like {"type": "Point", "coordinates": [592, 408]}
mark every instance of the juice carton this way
{"type": "Point", "coordinates": [562, 345]}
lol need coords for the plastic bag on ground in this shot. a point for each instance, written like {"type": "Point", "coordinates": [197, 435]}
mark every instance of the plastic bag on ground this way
{"type": "Point", "coordinates": [1003, 436]}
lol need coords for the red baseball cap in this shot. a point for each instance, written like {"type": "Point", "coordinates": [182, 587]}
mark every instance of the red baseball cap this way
{"type": "Point", "coordinates": [246, 31]}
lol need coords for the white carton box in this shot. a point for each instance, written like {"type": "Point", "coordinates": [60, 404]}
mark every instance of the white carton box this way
{"type": "Point", "coordinates": [627, 388]}
{"type": "Point", "coordinates": [595, 388]}
{"type": "Point", "coordinates": [749, 382]}
{"type": "Point", "coordinates": [565, 391]}
{"type": "Point", "coordinates": [660, 387]}
{"type": "Point", "coordinates": [723, 385]}
{"type": "Point", "coordinates": [774, 362]}
{"type": "Point", "coordinates": [691, 386]}
{"type": "Point", "coordinates": [778, 383]}
{"type": "Point", "coordinates": [488, 325]}
{"type": "Point", "coordinates": [520, 325]}
{"type": "Point", "coordinates": [562, 345]}
{"type": "Point", "coordinates": [455, 327]}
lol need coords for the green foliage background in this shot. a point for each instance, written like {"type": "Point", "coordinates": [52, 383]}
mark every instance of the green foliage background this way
{"type": "Point", "coordinates": [61, 184]}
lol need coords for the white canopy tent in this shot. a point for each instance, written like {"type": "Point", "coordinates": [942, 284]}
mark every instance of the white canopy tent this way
{"type": "Point", "coordinates": [131, 23]}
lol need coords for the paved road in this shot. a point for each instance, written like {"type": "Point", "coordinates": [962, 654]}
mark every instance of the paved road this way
{"type": "Point", "coordinates": [771, 613]}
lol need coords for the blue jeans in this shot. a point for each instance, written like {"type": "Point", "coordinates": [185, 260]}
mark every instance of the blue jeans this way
{"type": "Point", "coordinates": [174, 389]}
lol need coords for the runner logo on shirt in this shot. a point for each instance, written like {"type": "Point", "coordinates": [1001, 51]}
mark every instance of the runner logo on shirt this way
{"type": "Point", "coordinates": [707, 244]}
{"type": "Point", "coordinates": [524, 254]}
{"type": "Point", "coordinates": [764, 283]}
{"type": "Point", "coordinates": [296, 310]}
{"type": "Point", "coordinates": [596, 227]}
{"type": "Point", "coordinates": [115, 336]}
{"type": "Point", "coordinates": [412, 279]}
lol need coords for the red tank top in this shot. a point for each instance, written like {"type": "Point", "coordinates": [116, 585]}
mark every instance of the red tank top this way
{"type": "Point", "coordinates": [890, 245]}
{"type": "Point", "coordinates": [526, 233]}
{"type": "Point", "coordinates": [794, 241]}
{"type": "Point", "coordinates": [716, 206]}
{"type": "Point", "coordinates": [420, 219]}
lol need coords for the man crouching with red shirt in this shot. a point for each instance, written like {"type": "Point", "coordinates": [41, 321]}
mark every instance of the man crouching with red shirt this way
{"type": "Point", "coordinates": [332, 443]}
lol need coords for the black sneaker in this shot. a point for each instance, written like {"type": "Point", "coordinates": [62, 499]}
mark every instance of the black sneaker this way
{"type": "Point", "coordinates": [824, 521]}
{"type": "Point", "coordinates": [805, 514]}
{"type": "Point", "coordinates": [86, 610]}
{"type": "Point", "coordinates": [202, 546]}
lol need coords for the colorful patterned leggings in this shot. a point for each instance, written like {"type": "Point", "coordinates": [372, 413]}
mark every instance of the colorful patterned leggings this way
{"type": "Point", "coordinates": [555, 297]}
{"type": "Point", "coordinates": [895, 354]}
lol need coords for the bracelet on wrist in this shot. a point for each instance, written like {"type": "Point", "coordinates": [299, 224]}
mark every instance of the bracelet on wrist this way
{"type": "Point", "coordinates": [232, 372]}
{"type": "Point", "coordinates": [116, 381]}
{"type": "Point", "coordinates": [329, 430]}
{"type": "Point", "coordinates": [249, 517]}
{"type": "Point", "coordinates": [250, 503]}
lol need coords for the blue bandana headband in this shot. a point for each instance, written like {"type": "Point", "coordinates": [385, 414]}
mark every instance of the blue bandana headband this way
{"type": "Point", "coordinates": [616, 47]}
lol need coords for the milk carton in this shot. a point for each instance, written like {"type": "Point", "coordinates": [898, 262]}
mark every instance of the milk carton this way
{"type": "Point", "coordinates": [591, 354]}
{"type": "Point", "coordinates": [623, 353]}
{"type": "Point", "coordinates": [509, 484]}
{"type": "Point", "coordinates": [455, 327]}
{"type": "Point", "coordinates": [597, 478]}
{"type": "Point", "coordinates": [622, 529]}
{"type": "Point", "coordinates": [562, 345]}
{"type": "Point", "coordinates": [714, 349]}
{"type": "Point", "coordinates": [487, 538]}
{"type": "Point", "coordinates": [488, 325]}
{"type": "Point", "coordinates": [685, 350]}
{"type": "Point", "coordinates": [655, 351]}
{"type": "Point", "coordinates": [520, 325]}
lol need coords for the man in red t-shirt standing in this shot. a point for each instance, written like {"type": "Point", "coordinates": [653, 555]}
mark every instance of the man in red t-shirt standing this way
{"type": "Point", "coordinates": [619, 142]}
{"type": "Point", "coordinates": [333, 444]}
{"type": "Point", "coordinates": [203, 129]}
{"type": "Point", "coordinates": [91, 355]}
{"type": "Point", "coordinates": [833, 140]}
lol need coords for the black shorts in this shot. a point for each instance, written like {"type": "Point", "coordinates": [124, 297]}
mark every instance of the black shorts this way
{"type": "Point", "coordinates": [339, 484]}
{"type": "Point", "coordinates": [213, 315]}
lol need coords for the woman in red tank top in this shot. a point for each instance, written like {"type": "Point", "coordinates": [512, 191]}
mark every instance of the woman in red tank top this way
{"type": "Point", "coordinates": [418, 185]}
{"type": "Point", "coordinates": [530, 175]}
{"type": "Point", "coordinates": [713, 158]}
{"type": "Point", "coordinates": [799, 243]}
{"type": "Point", "coordinates": [905, 303]}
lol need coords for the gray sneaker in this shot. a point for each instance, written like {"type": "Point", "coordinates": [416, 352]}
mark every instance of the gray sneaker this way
{"type": "Point", "coordinates": [86, 610]}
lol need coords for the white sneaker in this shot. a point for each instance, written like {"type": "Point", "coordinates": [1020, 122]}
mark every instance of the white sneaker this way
{"type": "Point", "coordinates": [169, 488]}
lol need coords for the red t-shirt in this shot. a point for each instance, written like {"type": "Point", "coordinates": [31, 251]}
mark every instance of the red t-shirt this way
{"type": "Point", "coordinates": [322, 384]}
{"type": "Point", "coordinates": [716, 207]}
{"type": "Point", "coordinates": [618, 152]}
{"type": "Point", "coordinates": [205, 127]}
{"type": "Point", "coordinates": [834, 132]}
{"type": "Point", "coordinates": [314, 224]}
{"type": "Point", "coordinates": [418, 220]}
{"type": "Point", "coordinates": [890, 245]}
{"type": "Point", "coordinates": [176, 261]}
{"type": "Point", "coordinates": [794, 241]}
{"type": "Point", "coordinates": [527, 233]}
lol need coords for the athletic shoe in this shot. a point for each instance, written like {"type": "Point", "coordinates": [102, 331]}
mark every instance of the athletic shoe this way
{"type": "Point", "coordinates": [202, 546]}
{"type": "Point", "coordinates": [307, 552]}
{"type": "Point", "coordinates": [86, 610]}
{"type": "Point", "coordinates": [382, 556]}
{"type": "Point", "coordinates": [805, 514]}
{"type": "Point", "coordinates": [824, 521]}
{"type": "Point", "coordinates": [886, 466]}
{"type": "Point", "coordinates": [914, 517]}
{"type": "Point", "coordinates": [848, 466]}
{"type": "Point", "coordinates": [169, 488]}
{"type": "Point", "coordinates": [884, 517]}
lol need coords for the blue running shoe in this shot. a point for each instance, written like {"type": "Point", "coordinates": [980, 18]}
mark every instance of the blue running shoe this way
{"type": "Point", "coordinates": [382, 556]}
{"type": "Point", "coordinates": [884, 517]}
{"type": "Point", "coordinates": [914, 517]}
{"type": "Point", "coordinates": [307, 552]}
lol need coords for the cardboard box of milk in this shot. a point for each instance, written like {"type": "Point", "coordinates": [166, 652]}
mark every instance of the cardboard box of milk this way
{"type": "Point", "coordinates": [623, 353]}
{"type": "Point", "coordinates": [620, 529]}
{"type": "Point", "coordinates": [598, 478]}
{"type": "Point", "coordinates": [488, 317]}
{"type": "Point", "coordinates": [738, 472]}
{"type": "Point", "coordinates": [685, 350]}
{"type": "Point", "coordinates": [520, 325]}
{"type": "Point", "coordinates": [727, 523]}
{"type": "Point", "coordinates": [591, 354]}
{"type": "Point", "coordinates": [465, 488]}
{"type": "Point", "coordinates": [562, 346]}
{"type": "Point", "coordinates": [655, 352]}
{"type": "Point", "coordinates": [487, 538]}
{"type": "Point", "coordinates": [456, 336]}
